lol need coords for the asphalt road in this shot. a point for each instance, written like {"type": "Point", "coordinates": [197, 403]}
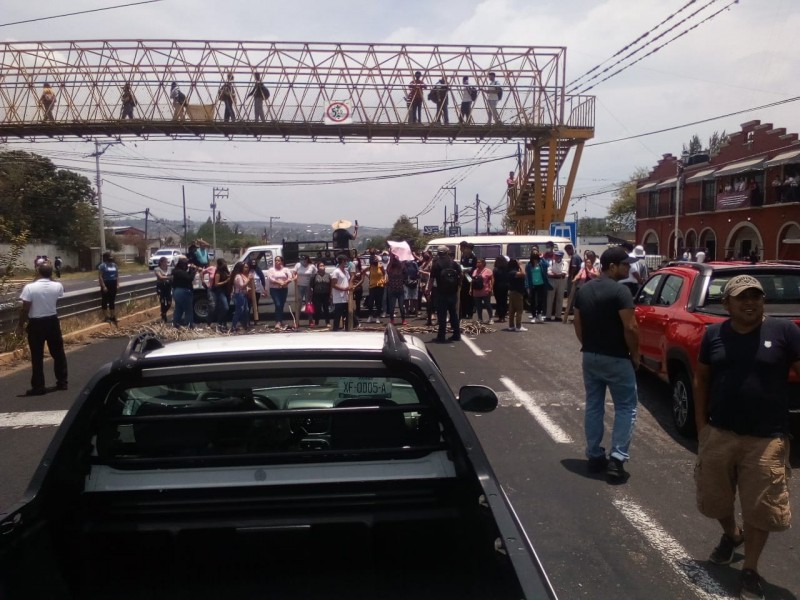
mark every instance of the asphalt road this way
{"type": "Point", "coordinates": [644, 539]}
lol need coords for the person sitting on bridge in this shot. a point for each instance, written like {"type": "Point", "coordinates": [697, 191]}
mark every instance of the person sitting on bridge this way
{"type": "Point", "coordinates": [48, 101]}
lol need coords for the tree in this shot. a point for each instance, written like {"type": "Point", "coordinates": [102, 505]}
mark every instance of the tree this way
{"type": "Point", "coordinates": [716, 142]}
{"type": "Point", "coordinates": [404, 231]}
{"type": "Point", "coordinates": [695, 147]}
{"type": "Point", "coordinates": [52, 204]}
{"type": "Point", "coordinates": [622, 211]}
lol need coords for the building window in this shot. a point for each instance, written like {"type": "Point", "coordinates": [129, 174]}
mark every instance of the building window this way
{"type": "Point", "coordinates": [709, 195]}
{"type": "Point", "coordinates": [652, 204]}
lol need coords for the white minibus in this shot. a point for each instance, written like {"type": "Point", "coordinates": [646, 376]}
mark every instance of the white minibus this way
{"type": "Point", "coordinates": [492, 246]}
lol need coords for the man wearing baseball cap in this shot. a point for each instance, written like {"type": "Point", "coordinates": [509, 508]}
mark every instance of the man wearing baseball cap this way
{"type": "Point", "coordinates": [606, 327]}
{"type": "Point", "coordinates": [741, 411]}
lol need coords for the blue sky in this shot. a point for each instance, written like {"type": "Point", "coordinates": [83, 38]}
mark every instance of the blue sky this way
{"type": "Point", "coordinates": [742, 58]}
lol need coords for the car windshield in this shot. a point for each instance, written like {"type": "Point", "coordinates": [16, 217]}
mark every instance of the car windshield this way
{"type": "Point", "coordinates": [291, 417]}
{"type": "Point", "coordinates": [781, 288]}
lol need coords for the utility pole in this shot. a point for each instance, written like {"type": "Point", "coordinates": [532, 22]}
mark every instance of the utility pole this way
{"type": "Point", "coordinates": [477, 212]}
{"type": "Point", "coordinates": [271, 219]}
{"type": "Point", "coordinates": [97, 154]}
{"type": "Point", "coordinates": [147, 245]}
{"type": "Point", "coordinates": [444, 226]}
{"type": "Point", "coordinates": [216, 193]}
{"type": "Point", "coordinates": [488, 220]}
{"type": "Point", "coordinates": [185, 231]}
{"type": "Point", "coordinates": [455, 207]}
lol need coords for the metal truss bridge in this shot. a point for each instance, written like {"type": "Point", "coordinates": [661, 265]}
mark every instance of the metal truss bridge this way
{"type": "Point", "coordinates": [317, 91]}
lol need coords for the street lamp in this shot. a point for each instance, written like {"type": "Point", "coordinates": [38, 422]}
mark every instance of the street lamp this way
{"type": "Point", "coordinates": [678, 189]}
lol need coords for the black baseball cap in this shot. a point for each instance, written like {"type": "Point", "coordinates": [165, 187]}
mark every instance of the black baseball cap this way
{"type": "Point", "coordinates": [615, 256]}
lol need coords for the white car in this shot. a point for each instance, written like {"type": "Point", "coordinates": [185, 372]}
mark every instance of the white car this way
{"type": "Point", "coordinates": [172, 255]}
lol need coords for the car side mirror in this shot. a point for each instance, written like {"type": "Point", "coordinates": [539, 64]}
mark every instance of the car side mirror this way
{"type": "Point", "coordinates": [477, 398]}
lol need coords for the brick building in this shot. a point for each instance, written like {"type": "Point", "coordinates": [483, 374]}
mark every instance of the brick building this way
{"type": "Point", "coordinates": [744, 199]}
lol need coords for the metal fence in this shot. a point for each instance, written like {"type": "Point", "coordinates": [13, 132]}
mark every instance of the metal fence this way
{"type": "Point", "coordinates": [77, 303]}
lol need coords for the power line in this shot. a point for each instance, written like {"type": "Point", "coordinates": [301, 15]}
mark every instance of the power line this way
{"type": "Point", "coordinates": [656, 49]}
{"type": "Point", "coordinates": [81, 12]}
{"type": "Point", "coordinates": [700, 122]}
{"type": "Point", "coordinates": [631, 45]}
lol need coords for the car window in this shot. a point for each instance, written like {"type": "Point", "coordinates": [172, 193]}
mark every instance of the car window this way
{"type": "Point", "coordinates": [290, 416]}
{"type": "Point", "coordinates": [780, 287]}
{"type": "Point", "coordinates": [670, 290]}
{"type": "Point", "coordinates": [647, 293]}
{"type": "Point", "coordinates": [490, 251]}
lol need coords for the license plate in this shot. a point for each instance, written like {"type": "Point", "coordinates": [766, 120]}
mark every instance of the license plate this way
{"type": "Point", "coordinates": [359, 387]}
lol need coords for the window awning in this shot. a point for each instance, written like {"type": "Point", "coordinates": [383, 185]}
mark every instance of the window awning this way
{"type": "Point", "coordinates": [701, 175]}
{"type": "Point", "coordinates": [667, 183]}
{"type": "Point", "coordinates": [782, 159]}
{"type": "Point", "coordinates": [741, 167]}
{"type": "Point", "coordinates": [646, 187]}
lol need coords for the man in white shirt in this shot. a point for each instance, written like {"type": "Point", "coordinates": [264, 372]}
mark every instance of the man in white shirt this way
{"type": "Point", "coordinates": [493, 92]}
{"type": "Point", "coordinates": [557, 275]}
{"type": "Point", "coordinates": [637, 271]}
{"type": "Point", "coordinates": [39, 311]}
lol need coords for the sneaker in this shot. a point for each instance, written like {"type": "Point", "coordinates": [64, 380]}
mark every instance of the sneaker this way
{"type": "Point", "coordinates": [311, 323]}
{"type": "Point", "coordinates": [615, 471]}
{"type": "Point", "coordinates": [521, 328]}
{"type": "Point", "coordinates": [491, 321]}
{"type": "Point", "coordinates": [377, 321]}
{"type": "Point", "coordinates": [751, 588]}
{"type": "Point", "coordinates": [725, 550]}
{"type": "Point", "coordinates": [369, 319]}
{"type": "Point", "coordinates": [404, 322]}
{"type": "Point", "coordinates": [597, 464]}
{"type": "Point", "coordinates": [36, 392]}
{"type": "Point", "coordinates": [532, 319]}
{"type": "Point", "coordinates": [540, 319]}
{"type": "Point", "coordinates": [454, 338]}
{"type": "Point", "coordinates": [512, 328]}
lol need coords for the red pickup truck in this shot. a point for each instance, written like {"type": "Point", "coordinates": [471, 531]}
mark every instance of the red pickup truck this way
{"type": "Point", "coordinates": [678, 302]}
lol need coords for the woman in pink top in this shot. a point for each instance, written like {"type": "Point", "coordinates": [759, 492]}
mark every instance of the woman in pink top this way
{"type": "Point", "coordinates": [481, 290]}
{"type": "Point", "coordinates": [279, 278]}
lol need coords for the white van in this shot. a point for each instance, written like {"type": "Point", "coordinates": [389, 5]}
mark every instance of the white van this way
{"type": "Point", "coordinates": [492, 246]}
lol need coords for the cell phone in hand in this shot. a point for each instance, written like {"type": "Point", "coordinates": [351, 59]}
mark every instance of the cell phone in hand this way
{"type": "Point", "coordinates": [356, 222]}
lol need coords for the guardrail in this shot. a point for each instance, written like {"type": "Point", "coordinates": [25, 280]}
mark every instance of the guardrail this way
{"type": "Point", "coordinates": [77, 303]}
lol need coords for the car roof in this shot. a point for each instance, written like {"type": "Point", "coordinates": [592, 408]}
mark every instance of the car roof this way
{"type": "Point", "coordinates": [366, 342]}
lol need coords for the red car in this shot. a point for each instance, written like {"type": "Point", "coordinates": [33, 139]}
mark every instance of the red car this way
{"type": "Point", "coordinates": [678, 302]}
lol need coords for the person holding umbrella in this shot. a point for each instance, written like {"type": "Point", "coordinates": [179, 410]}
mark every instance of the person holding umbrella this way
{"type": "Point", "coordinates": [342, 237]}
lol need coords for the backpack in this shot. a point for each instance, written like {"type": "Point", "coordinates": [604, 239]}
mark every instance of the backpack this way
{"type": "Point", "coordinates": [448, 280]}
{"type": "Point", "coordinates": [180, 97]}
{"type": "Point", "coordinates": [432, 96]}
{"type": "Point", "coordinates": [499, 90]}
{"type": "Point", "coordinates": [477, 282]}
{"type": "Point", "coordinates": [264, 91]}
{"type": "Point", "coordinates": [473, 92]}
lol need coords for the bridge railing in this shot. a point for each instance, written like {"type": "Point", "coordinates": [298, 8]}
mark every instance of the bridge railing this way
{"type": "Point", "coordinates": [372, 80]}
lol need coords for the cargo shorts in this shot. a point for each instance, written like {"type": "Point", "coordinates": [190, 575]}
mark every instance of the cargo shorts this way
{"type": "Point", "coordinates": [758, 467]}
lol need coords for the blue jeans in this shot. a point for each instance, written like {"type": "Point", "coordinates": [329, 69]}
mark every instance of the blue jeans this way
{"type": "Point", "coordinates": [242, 312]}
{"type": "Point", "coordinates": [600, 372]}
{"type": "Point", "coordinates": [221, 307]}
{"type": "Point", "coordinates": [278, 296]}
{"type": "Point", "coordinates": [184, 311]}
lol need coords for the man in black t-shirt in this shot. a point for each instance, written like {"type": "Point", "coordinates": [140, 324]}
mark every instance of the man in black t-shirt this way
{"type": "Point", "coordinates": [468, 263]}
{"type": "Point", "coordinates": [741, 411]}
{"type": "Point", "coordinates": [606, 327]}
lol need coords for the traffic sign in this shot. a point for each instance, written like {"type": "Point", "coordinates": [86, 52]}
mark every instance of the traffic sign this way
{"type": "Point", "coordinates": [454, 231]}
{"type": "Point", "coordinates": [429, 229]}
{"type": "Point", "coordinates": [338, 112]}
{"type": "Point", "coordinates": [565, 229]}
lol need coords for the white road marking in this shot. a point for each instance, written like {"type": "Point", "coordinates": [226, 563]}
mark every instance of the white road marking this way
{"type": "Point", "coordinates": [558, 435]}
{"type": "Point", "coordinates": [43, 418]}
{"type": "Point", "coordinates": [471, 345]}
{"type": "Point", "coordinates": [675, 555]}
